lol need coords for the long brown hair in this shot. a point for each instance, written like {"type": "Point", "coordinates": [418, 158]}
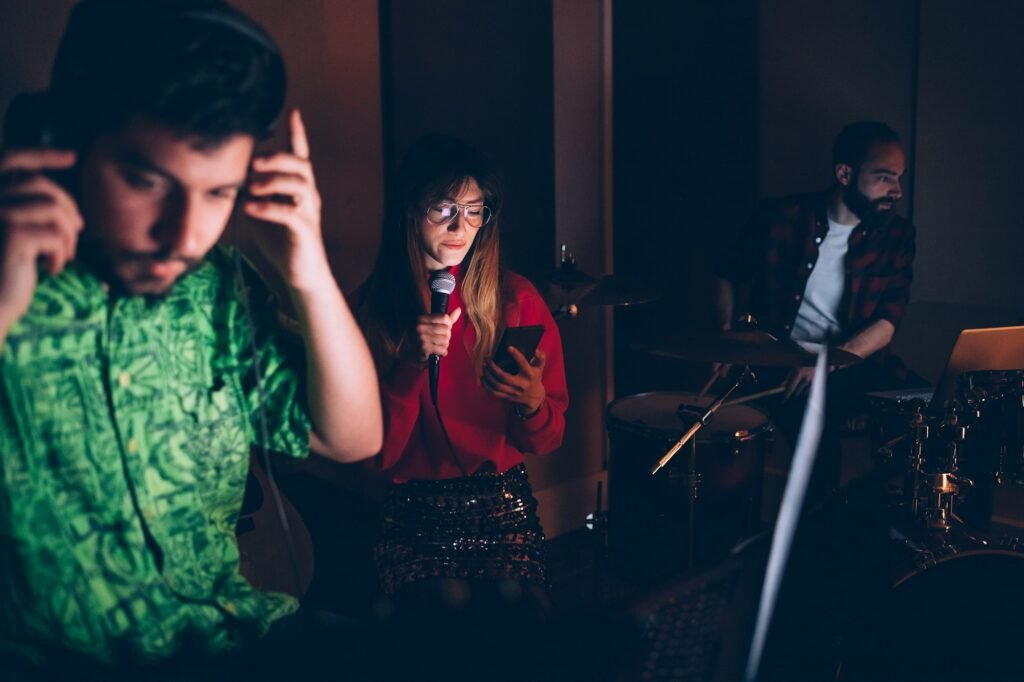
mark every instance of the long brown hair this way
{"type": "Point", "coordinates": [435, 167]}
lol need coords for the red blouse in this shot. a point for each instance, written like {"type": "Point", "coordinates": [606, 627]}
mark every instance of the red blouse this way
{"type": "Point", "coordinates": [483, 428]}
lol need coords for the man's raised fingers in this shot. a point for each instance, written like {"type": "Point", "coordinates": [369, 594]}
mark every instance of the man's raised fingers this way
{"type": "Point", "coordinates": [297, 133]}
{"type": "Point", "coordinates": [36, 159]}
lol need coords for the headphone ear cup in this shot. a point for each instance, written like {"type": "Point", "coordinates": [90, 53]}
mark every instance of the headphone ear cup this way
{"type": "Point", "coordinates": [31, 121]}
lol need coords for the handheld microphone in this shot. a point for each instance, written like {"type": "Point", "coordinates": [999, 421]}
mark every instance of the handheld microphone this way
{"type": "Point", "coordinates": [442, 284]}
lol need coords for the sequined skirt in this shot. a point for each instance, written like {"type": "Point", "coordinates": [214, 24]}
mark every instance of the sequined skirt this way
{"type": "Point", "coordinates": [483, 526]}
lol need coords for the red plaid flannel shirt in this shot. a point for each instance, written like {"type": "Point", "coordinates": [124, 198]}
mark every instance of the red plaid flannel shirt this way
{"type": "Point", "coordinates": [777, 250]}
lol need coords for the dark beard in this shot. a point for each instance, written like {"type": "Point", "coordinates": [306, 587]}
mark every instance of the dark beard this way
{"type": "Point", "coordinates": [868, 209]}
{"type": "Point", "coordinates": [97, 260]}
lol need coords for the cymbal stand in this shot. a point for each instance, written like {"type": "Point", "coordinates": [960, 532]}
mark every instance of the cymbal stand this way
{"type": "Point", "coordinates": [693, 476]}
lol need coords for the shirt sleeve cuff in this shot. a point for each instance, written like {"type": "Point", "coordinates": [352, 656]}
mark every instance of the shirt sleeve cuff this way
{"type": "Point", "coordinates": [537, 421]}
{"type": "Point", "coordinates": [293, 439]}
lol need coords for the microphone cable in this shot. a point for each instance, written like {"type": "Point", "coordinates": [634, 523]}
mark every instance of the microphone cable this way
{"type": "Point", "coordinates": [441, 282]}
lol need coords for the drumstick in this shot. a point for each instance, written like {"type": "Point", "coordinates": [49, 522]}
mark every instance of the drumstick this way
{"type": "Point", "coordinates": [754, 396]}
{"type": "Point", "coordinates": [707, 386]}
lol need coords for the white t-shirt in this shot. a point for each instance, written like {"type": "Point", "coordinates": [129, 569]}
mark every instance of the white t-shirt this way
{"type": "Point", "coordinates": [818, 316]}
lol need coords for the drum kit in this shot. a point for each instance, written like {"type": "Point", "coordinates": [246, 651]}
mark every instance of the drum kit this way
{"type": "Point", "coordinates": [666, 512]}
{"type": "Point", "coordinates": [948, 561]}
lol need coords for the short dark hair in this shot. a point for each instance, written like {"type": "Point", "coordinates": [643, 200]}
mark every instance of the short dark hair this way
{"type": "Point", "coordinates": [852, 143]}
{"type": "Point", "coordinates": [200, 67]}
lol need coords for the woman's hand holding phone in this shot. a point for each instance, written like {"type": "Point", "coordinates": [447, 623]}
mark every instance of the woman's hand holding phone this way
{"type": "Point", "coordinates": [525, 388]}
{"type": "Point", "coordinates": [39, 222]}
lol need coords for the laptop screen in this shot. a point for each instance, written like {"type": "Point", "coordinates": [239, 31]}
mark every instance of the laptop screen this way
{"type": "Point", "coordinates": [995, 348]}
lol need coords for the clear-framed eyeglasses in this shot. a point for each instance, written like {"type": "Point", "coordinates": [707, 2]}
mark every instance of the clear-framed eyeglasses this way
{"type": "Point", "coordinates": [444, 212]}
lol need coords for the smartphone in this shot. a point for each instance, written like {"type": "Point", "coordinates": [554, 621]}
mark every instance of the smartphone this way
{"type": "Point", "coordinates": [523, 339]}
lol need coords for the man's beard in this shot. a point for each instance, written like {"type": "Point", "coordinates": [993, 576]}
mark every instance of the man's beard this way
{"type": "Point", "coordinates": [111, 269]}
{"type": "Point", "coordinates": [868, 210]}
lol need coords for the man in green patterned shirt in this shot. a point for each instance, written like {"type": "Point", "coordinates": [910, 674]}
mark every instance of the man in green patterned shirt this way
{"type": "Point", "coordinates": [139, 361]}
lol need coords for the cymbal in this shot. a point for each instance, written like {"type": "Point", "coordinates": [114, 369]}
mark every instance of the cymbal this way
{"type": "Point", "coordinates": [568, 278]}
{"type": "Point", "coordinates": [755, 348]}
{"type": "Point", "coordinates": [580, 287]}
{"type": "Point", "coordinates": [616, 290]}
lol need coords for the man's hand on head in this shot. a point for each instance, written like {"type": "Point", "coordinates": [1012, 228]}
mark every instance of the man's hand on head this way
{"type": "Point", "coordinates": [39, 223]}
{"type": "Point", "coordinates": [284, 198]}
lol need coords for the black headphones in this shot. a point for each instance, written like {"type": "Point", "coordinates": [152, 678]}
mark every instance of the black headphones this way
{"type": "Point", "coordinates": [95, 36]}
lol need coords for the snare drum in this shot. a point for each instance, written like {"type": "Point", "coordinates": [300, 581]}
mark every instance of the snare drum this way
{"type": "Point", "coordinates": [649, 516]}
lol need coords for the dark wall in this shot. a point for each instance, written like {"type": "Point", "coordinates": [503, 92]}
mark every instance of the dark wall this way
{"type": "Point", "coordinates": [481, 71]}
{"type": "Point", "coordinates": [970, 144]}
{"type": "Point", "coordinates": [822, 65]}
{"type": "Point", "coordinates": [685, 160]}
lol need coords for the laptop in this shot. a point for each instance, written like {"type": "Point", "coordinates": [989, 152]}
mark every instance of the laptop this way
{"type": "Point", "coordinates": [715, 626]}
{"type": "Point", "coordinates": [995, 348]}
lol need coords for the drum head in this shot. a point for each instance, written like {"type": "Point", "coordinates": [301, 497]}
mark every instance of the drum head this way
{"type": "Point", "coordinates": [673, 412]}
{"type": "Point", "coordinates": [959, 618]}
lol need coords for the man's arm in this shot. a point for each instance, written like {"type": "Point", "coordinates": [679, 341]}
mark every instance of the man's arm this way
{"type": "Point", "coordinates": [867, 341]}
{"type": "Point", "coordinates": [871, 339]}
{"type": "Point", "coordinates": [342, 389]}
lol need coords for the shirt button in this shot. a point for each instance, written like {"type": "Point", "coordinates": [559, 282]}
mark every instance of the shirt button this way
{"type": "Point", "coordinates": [810, 266]}
{"type": "Point", "coordinates": [817, 240]}
{"type": "Point", "coordinates": [132, 445]}
{"type": "Point", "coordinates": [124, 380]}
{"type": "Point", "coordinates": [797, 297]}
{"type": "Point", "coordinates": [786, 327]}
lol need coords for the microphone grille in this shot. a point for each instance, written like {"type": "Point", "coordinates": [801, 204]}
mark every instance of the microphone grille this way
{"type": "Point", "coordinates": [442, 282]}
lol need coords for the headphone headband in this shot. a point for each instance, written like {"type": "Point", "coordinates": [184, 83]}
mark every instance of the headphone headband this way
{"type": "Point", "coordinates": [100, 33]}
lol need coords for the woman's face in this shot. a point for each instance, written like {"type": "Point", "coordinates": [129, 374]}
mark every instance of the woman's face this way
{"type": "Point", "coordinates": [449, 226]}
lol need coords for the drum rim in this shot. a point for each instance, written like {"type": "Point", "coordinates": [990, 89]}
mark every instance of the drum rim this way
{"type": "Point", "coordinates": [740, 435]}
{"type": "Point", "coordinates": [974, 551]}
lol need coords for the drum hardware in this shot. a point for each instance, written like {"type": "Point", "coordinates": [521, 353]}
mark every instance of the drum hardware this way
{"type": "Point", "coordinates": [1011, 543]}
{"type": "Point", "coordinates": [693, 477]}
{"type": "Point", "coordinates": [569, 310]}
{"type": "Point", "coordinates": [744, 375]}
{"type": "Point", "coordinates": [597, 519]}
{"type": "Point", "coordinates": [932, 483]}
{"type": "Point", "coordinates": [996, 401]}
{"type": "Point", "coordinates": [700, 506]}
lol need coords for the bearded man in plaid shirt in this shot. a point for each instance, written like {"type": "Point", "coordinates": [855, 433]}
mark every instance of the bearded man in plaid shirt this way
{"type": "Point", "coordinates": [830, 268]}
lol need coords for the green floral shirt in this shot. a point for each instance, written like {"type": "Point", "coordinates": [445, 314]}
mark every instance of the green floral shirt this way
{"type": "Point", "coordinates": [125, 431]}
